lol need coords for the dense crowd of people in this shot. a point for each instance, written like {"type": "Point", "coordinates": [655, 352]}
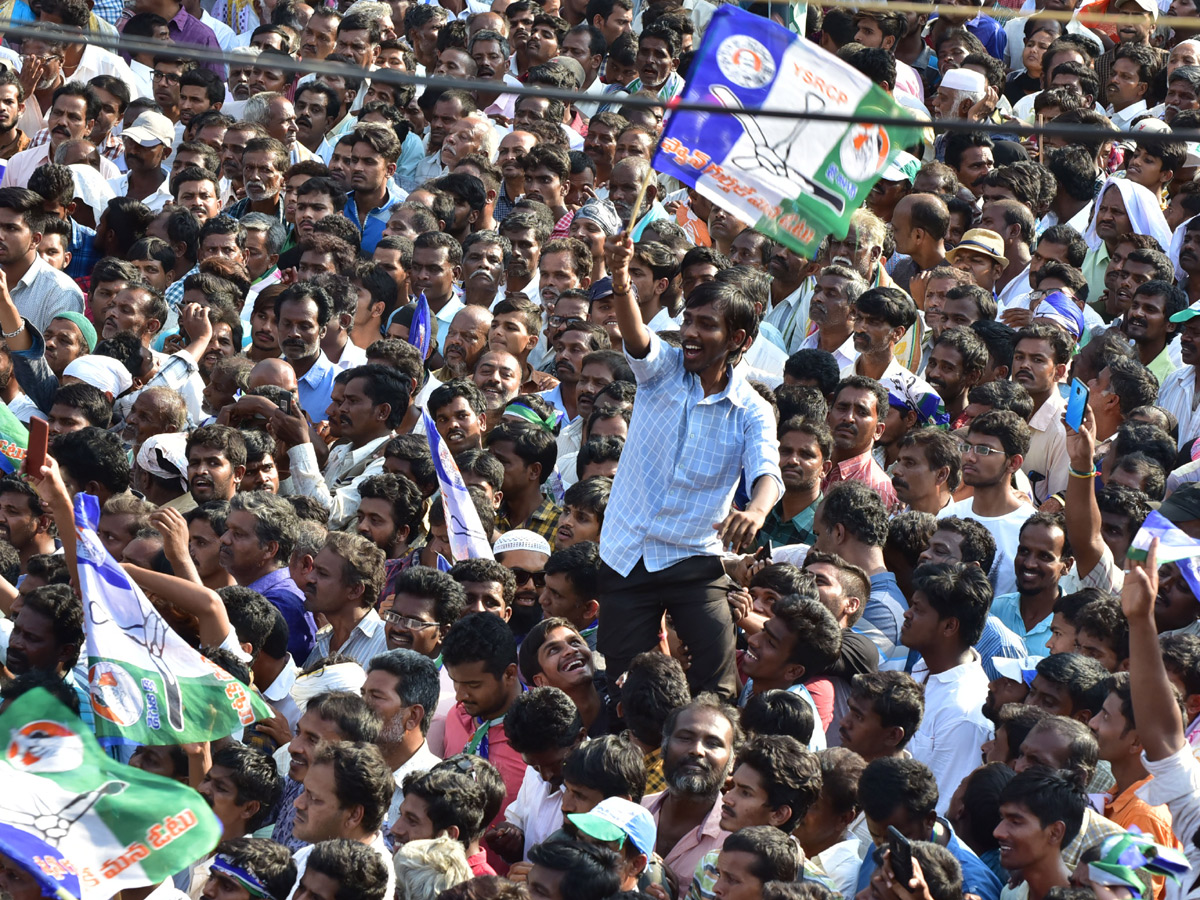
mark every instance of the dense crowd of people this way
{"type": "Point", "coordinates": [808, 576]}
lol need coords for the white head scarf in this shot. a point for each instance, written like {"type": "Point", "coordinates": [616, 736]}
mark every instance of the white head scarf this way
{"type": "Point", "coordinates": [1142, 207]}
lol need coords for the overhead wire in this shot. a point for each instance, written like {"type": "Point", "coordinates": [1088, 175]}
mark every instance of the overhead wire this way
{"type": "Point", "coordinates": [134, 44]}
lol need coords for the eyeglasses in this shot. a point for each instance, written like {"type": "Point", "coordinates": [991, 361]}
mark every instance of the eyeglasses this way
{"type": "Point", "coordinates": [978, 449]}
{"type": "Point", "coordinates": [524, 575]}
{"type": "Point", "coordinates": [407, 622]}
{"type": "Point", "coordinates": [169, 77]}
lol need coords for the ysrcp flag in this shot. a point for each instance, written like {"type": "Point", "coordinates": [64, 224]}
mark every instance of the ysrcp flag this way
{"type": "Point", "coordinates": [85, 825]}
{"type": "Point", "coordinates": [467, 537]}
{"type": "Point", "coordinates": [14, 439]}
{"type": "Point", "coordinates": [792, 178]}
{"type": "Point", "coordinates": [147, 685]}
{"type": "Point", "coordinates": [1173, 544]}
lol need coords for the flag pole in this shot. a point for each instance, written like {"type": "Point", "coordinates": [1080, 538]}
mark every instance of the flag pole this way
{"type": "Point", "coordinates": [641, 197]}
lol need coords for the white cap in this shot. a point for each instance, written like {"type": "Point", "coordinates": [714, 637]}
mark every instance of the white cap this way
{"type": "Point", "coordinates": [102, 372]}
{"type": "Point", "coordinates": [150, 128]}
{"type": "Point", "coordinates": [1019, 670]}
{"type": "Point", "coordinates": [964, 80]}
{"type": "Point", "coordinates": [1150, 6]}
{"type": "Point", "coordinates": [521, 539]}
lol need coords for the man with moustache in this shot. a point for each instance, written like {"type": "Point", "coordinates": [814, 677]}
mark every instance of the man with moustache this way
{"type": "Point", "coordinates": [928, 469]}
{"type": "Point", "coordinates": [697, 759]}
{"type": "Point", "coordinates": [956, 364]}
{"type": "Point", "coordinates": [329, 717]}
{"type": "Point", "coordinates": [402, 688]}
{"type": "Point", "coordinates": [1178, 391]}
{"type": "Point", "coordinates": [856, 419]}
{"type": "Point", "coordinates": [484, 256]}
{"type": "Point", "coordinates": [343, 587]}
{"type": "Point", "coordinates": [263, 163]}
{"type": "Point", "coordinates": [575, 342]}
{"type": "Point", "coordinates": [525, 554]}
{"type": "Point", "coordinates": [498, 377]}
{"type": "Point", "coordinates": [423, 605]}
{"type": "Point", "coordinates": [464, 342]}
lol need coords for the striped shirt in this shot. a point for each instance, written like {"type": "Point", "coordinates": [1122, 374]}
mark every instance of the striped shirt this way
{"type": "Point", "coordinates": [683, 460]}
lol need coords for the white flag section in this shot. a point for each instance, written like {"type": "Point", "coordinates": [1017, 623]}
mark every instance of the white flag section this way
{"type": "Point", "coordinates": [1173, 544]}
{"type": "Point", "coordinates": [147, 685]}
{"type": "Point", "coordinates": [467, 538]}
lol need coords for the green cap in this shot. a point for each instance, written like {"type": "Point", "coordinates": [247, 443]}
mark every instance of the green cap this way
{"type": "Point", "coordinates": [596, 827]}
{"type": "Point", "coordinates": [85, 327]}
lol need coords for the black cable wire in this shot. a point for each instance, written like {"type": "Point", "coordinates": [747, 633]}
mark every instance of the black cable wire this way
{"type": "Point", "coordinates": [391, 76]}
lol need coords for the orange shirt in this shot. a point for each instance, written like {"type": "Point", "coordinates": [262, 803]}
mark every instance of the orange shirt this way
{"type": "Point", "coordinates": [1128, 809]}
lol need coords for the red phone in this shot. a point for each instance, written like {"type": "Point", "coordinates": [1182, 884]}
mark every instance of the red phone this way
{"type": "Point", "coordinates": [35, 453]}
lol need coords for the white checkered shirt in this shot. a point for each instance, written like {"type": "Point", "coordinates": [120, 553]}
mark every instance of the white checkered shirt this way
{"type": "Point", "coordinates": [682, 462]}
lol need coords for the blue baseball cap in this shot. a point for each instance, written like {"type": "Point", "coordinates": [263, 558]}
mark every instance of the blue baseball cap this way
{"type": "Point", "coordinates": [615, 819]}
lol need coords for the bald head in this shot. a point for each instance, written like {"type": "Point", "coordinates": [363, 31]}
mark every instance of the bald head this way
{"type": "Point", "coordinates": [466, 339]}
{"type": "Point", "coordinates": [273, 371]}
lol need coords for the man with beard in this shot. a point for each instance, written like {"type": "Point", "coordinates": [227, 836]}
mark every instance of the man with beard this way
{"type": "Point", "coordinates": [402, 688]}
{"type": "Point", "coordinates": [260, 533]}
{"type": "Point", "coordinates": [1178, 391]}
{"type": "Point", "coordinates": [832, 309]}
{"type": "Point", "coordinates": [626, 182]}
{"type": "Point", "coordinates": [12, 106]}
{"type": "Point", "coordinates": [524, 553]}
{"type": "Point", "coordinates": [993, 449]}
{"type": "Point", "coordinates": [389, 515]}
{"type": "Point", "coordinates": [957, 361]}
{"type": "Point", "coordinates": [330, 716]}
{"type": "Point", "coordinates": [436, 266]}
{"type": "Point", "coordinates": [498, 377]}
{"type": "Point", "coordinates": [697, 758]}
{"type": "Point", "coordinates": [424, 604]}
{"type": "Point", "coordinates": [216, 457]}
{"type": "Point", "coordinates": [343, 587]}
{"type": "Point", "coordinates": [1043, 559]}
{"type": "Point", "coordinates": [24, 522]}
{"type": "Point", "coordinates": [263, 163]}
{"type": "Point", "coordinates": [464, 342]}
{"type": "Point", "coordinates": [147, 144]}
{"type": "Point", "coordinates": [527, 232]}
{"type": "Point", "coordinates": [882, 318]}
{"type": "Point", "coordinates": [920, 223]}
{"type": "Point", "coordinates": [805, 457]}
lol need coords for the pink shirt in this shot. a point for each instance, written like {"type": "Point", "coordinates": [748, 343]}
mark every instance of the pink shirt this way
{"type": "Point", "coordinates": [459, 729]}
{"type": "Point", "coordinates": [863, 468]}
{"type": "Point", "coordinates": [687, 853]}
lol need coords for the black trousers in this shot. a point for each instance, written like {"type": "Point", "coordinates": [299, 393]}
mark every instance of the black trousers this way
{"type": "Point", "coordinates": [694, 592]}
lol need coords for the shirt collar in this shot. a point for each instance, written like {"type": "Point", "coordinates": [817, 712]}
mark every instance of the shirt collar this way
{"type": "Point", "coordinates": [318, 370]}
{"type": "Point", "coordinates": [282, 685]}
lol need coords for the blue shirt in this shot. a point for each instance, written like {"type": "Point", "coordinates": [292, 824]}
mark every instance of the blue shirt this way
{"type": "Point", "coordinates": [282, 593]}
{"type": "Point", "coordinates": [376, 219]}
{"type": "Point", "coordinates": [83, 250]}
{"type": "Point", "coordinates": [1007, 608]}
{"type": "Point", "coordinates": [998, 640]}
{"type": "Point", "coordinates": [978, 879]}
{"type": "Point", "coordinates": [682, 462]}
{"type": "Point", "coordinates": [315, 389]}
{"type": "Point", "coordinates": [882, 620]}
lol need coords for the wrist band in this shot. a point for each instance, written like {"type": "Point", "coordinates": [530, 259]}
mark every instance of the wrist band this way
{"type": "Point", "coordinates": [1077, 474]}
{"type": "Point", "coordinates": [12, 334]}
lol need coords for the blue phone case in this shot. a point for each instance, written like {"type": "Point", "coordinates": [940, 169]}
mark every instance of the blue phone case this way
{"type": "Point", "coordinates": [1076, 404]}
